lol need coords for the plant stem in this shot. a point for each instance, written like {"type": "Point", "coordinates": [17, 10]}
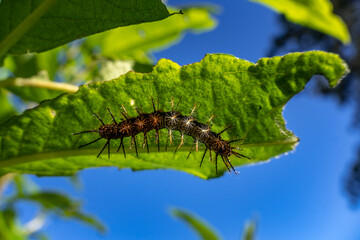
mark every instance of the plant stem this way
{"type": "Point", "coordinates": [25, 26]}
{"type": "Point", "coordinates": [21, 82]}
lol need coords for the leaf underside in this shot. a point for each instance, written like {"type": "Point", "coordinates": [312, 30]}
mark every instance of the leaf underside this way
{"type": "Point", "coordinates": [249, 97]}
{"type": "Point", "coordinates": [70, 20]}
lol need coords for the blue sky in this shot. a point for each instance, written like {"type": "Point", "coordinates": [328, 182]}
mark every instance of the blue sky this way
{"type": "Point", "coordinates": [298, 196]}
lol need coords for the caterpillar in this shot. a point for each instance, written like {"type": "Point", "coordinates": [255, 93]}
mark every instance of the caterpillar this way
{"type": "Point", "coordinates": [173, 121]}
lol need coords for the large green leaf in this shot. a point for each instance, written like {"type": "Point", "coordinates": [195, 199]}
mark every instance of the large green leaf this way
{"type": "Point", "coordinates": [248, 96]}
{"type": "Point", "coordinates": [317, 15]}
{"type": "Point", "coordinates": [34, 26]}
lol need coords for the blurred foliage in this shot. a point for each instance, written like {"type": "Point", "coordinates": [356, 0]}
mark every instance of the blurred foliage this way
{"type": "Point", "coordinates": [296, 38]}
{"type": "Point", "coordinates": [7, 109]}
{"type": "Point", "coordinates": [317, 15]}
{"type": "Point", "coordinates": [49, 204]}
{"type": "Point", "coordinates": [206, 232]}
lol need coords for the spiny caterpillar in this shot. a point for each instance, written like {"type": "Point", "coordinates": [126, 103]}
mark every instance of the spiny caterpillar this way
{"type": "Point", "coordinates": [172, 120]}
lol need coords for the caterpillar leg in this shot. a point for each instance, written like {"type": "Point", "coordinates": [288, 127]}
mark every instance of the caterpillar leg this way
{"type": "Point", "coordinates": [168, 139]}
{"type": "Point", "coordinates": [112, 116]}
{"type": "Point", "coordinates": [123, 148]}
{"type": "Point", "coordinates": [193, 110]}
{"type": "Point", "coordinates": [226, 163]}
{"type": "Point", "coordinates": [134, 141]}
{"type": "Point", "coordinates": [203, 157]}
{"type": "Point", "coordinates": [89, 142]}
{"type": "Point", "coordinates": [124, 113]}
{"type": "Point", "coordinates": [209, 120]}
{"type": "Point", "coordinates": [88, 131]}
{"type": "Point", "coordinates": [153, 103]}
{"type": "Point", "coordinates": [190, 152]}
{"type": "Point", "coordinates": [239, 155]}
{"type": "Point", "coordinates": [228, 160]}
{"type": "Point", "coordinates": [99, 119]}
{"type": "Point", "coordinates": [224, 130]}
{"type": "Point", "coordinates": [181, 143]}
{"type": "Point", "coordinates": [216, 163]}
{"type": "Point", "coordinates": [108, 142]}
{"type": "Point", "coordinates": [196, 147]}
{"type": "Point", "coordinates": [138, 110]}
{"type": "Point", "coordinates": [157, 139]}
{"type": "Point", "coordinates": [109, 149]}
{"type": "Point", "coordinates": [146, 142]}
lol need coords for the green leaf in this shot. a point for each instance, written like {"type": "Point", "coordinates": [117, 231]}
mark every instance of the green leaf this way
{"type": "Point", "coordinates": [34, 26]}
{"type": "Point", "coordinates": [9, 227]}
{"type": "Point", "coordinates": [140, 39]}
{"type": "Point", "coordinates": [249, 231]}
{"type": "Point", "coordinates": [200, 227]}
{"type": "Point", "coordinates": [6, 110]}
{"type": "Point", "coordinates": [249, 97]}
{"type": "Point", "coordinates": [62, 206]}
{"type": "Point", "coordinates": [317, 15]}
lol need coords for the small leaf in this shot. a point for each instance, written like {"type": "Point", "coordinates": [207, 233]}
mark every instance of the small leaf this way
{"type": "Point", "coordinates": [200, 227]}
{"type": "Point", "coordinates": [63, 206]}
{"type": "Point", "coordinates": [42, 25]}
{"type": "Point", "coordinates": [249, 231]}
{"type": "Point", "coordinates": [87, 219]}
{"type": "Point", "coordinates": [249, 97]}
{"type": "Point", "coordinates": [317, 15]}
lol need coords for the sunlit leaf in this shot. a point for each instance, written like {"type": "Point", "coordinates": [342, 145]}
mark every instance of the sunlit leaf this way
{"type": "Point", "coordinates": [249, 97]}
{"type": "Point", "coordinates": [317, 15]}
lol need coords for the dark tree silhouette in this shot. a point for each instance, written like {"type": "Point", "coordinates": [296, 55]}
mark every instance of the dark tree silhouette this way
{"type": "Point", "coordinates": [297, 38]}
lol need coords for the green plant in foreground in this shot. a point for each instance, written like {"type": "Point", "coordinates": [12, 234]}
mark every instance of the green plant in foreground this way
{"type": "Point", "coordinates": [49, 203]}
{"type": "Point", "coordinates": [206, 232]}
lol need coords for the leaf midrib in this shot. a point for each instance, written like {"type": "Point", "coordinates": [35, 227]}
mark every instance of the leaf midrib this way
{"type": "Point", "coordinates": [84, 152]}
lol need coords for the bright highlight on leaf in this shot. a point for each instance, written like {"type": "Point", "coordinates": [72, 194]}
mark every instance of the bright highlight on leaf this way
{"type": "Point", "coordinates": [247, 96]}
{"type": "Point", "coordinates": [317, 15]}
